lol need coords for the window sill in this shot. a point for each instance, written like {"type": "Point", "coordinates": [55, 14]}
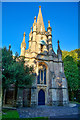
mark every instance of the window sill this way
{"type": "Point", "coordinates": [42, 85]}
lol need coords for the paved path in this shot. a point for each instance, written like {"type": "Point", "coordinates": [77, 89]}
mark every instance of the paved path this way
{"type": "Point", "coordinates": [48, 111]}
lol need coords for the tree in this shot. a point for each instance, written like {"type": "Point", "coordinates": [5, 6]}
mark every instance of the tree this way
{"type": "Point", "coordinates": [7, 60]}
{"type": "Point", "coordinates": [74, 53]}
{"type": "Point", "coordinates": [22, 75]}
{"type": "Point", "coordinates": [15, 72]}
{"type": "Point", "coordinates": [71, 73]}
{"type": "Point", "coordinates": [64, 54]}
{"type": "Point", "coordinates": [76, 56]}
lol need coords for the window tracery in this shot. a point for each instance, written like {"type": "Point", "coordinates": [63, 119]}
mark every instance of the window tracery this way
{"type": "Point", "coordinates": [41, 79]}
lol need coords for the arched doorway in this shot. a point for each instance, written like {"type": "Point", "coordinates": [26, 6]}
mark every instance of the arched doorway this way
{"type": "Point", "coordinates": [41, 97]}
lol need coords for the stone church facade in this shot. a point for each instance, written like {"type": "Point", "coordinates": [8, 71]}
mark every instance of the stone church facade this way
{"type": "Point", "coordinates": [50, 84]}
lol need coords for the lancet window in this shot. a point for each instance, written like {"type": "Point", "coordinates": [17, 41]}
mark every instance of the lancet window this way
{"type": "Point", "coordinates": [41, 79]}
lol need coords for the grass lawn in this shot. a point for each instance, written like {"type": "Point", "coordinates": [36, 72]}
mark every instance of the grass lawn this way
{"type": "Point", "coordinates": [10, 113]}
{"type": "Point", "coordinates": [13, 115]}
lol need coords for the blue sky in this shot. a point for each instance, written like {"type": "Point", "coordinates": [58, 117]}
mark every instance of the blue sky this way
{"type": "Point", "coordinates": [18, 17]}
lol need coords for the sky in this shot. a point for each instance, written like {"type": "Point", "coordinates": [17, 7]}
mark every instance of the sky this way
{"type": "Point", "coordinates": [18, 17]}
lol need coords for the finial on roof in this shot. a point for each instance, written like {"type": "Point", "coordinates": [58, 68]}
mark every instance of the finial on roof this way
{"type": "Point", "coordinates": [35, 17]}
{"type": "Point", "coordinates": [24, 34]}
{"type": "Point", "coordinates": [24, 37]}
{"type": "Point", "coordinates": [58, 41]}
{"type": "Point", "coordinates": [58, 44]}
{"type": "Point", "coordinates": [39, 6]}
{"type": "Point", "coordinates": [40, 9]}
{"type": "Point", "coordinates": [59, 50]}
{"type": "Point", "coordinates": [9, 46]}
{"type": "Point", "coordinates": [48, 23]}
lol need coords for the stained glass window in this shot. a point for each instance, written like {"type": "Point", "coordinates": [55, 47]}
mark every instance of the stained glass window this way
{"type": "Point", "coordinates": [41, 75]}
{"type": "Point", "coordinates": [38, 79]}
{"type": "Point", "coordinates": [45, 76]}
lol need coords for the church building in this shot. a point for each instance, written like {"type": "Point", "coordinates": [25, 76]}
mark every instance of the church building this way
{"type": "Point", "coordinates": [50, 84]}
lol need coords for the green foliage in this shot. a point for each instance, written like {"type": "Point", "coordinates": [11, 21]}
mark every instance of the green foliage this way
{"type": "Point", "coordinates": [14, 71]}
{"type": "Point", "coordinates": [71, 72]}
{"type": "Point", "coordinates": [6, 57]}
{"type": "Point", "coordinates": [10, 113]}
{"type": "Point", "coordinates": [64, 54]}
{"type": "Point", "coordinates": [21, 76]}
{"type": "Point", "coordinates": [78, 51]}
{"type": "Point", "coordinates": [73, 54]}
{"type": "Point", "coordinates": [78, 63]}
{"type": "Point", "coordinates": [7, 60]}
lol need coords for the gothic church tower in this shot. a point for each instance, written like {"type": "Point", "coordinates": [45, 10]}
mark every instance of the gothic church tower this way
{"type": "Point", "coordinates": [50, 84]}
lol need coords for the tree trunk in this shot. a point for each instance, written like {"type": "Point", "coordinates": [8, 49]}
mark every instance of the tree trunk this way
{"type": "Point", "coordinates": [15, 93]}
{"type": "Point", "coordinates": [72, 96]}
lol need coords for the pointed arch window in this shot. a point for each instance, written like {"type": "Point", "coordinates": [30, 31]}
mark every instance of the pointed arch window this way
{"type": "Point", "coordinates": [41, 79]}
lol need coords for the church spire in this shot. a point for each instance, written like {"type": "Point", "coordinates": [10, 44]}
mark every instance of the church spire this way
{"type": "Point", "coordinates": [24, 37]}
{"type": "Point", "coordinates": [23, 45]}
{"type": "Point", "coordinates": [59, 50]}
{"type": "Point", "coordinates": [40, 23]}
